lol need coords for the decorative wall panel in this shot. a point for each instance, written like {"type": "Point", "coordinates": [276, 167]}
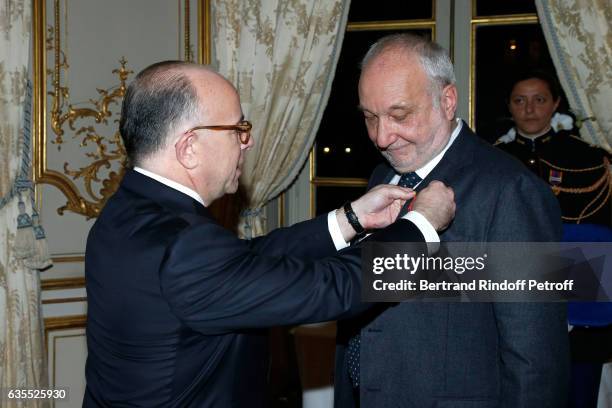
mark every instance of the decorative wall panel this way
{"type": "Point", "coordinates": [67, 351]}
{"type": "Point", "coordinates": [85, 53]}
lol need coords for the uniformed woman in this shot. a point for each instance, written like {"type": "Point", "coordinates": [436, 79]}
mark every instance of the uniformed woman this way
{"type": "Point", "coordinates": [578, 173]}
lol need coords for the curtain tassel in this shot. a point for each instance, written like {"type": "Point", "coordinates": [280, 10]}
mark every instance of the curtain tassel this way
{"type": "Point", "coordinates": [24, 239]}
{"type": "Point", "coordinates": [246, 221]}
{"type": "Point", "coordinates": [41, 258]}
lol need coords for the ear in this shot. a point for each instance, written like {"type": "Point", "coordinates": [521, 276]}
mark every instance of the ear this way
{"type": "Point", "coordinates": [557, 103]}
{"type": "Point", "coordinates": [448, 102]}
{"type": "Point", "coordinates": [185, 151]}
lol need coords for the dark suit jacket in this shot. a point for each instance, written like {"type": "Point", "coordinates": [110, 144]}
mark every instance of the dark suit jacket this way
{"type": "Point", "coordinates": [473, 355]}
{"type": "Point", "coordinates": [177, 304]}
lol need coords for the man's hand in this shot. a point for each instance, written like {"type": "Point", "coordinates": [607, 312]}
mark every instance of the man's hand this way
{"type": "Point", "coordinates": [436, 202]}
{"type": "Point", "coordinates": [377, 208]}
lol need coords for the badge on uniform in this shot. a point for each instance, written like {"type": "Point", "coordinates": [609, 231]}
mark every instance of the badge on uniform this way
{"type": "Point", "coordinates": [555, 177]}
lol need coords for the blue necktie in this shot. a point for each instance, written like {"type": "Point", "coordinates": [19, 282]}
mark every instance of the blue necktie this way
{"type": "Point", "coordinates": [354, 344]}
{"type": "Point", "coordinates": [408, 180]}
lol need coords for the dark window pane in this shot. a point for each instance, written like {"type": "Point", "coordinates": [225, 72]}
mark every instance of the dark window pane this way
{"type": "Point", "coordinates": [329, 198]}
{"type": "Point", "coordinates": [501, 53]}
{"type": "Point", "coordinates": [501, 7]}
{"type": "Point", "coordinates": [342, 125]}
{"type": "Point", "coordinates": [384, 10]}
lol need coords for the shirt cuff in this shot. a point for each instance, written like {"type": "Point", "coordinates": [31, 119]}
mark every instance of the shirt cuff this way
{"type": "Point", "coordinates": [429, 232]}
{"type": "Point", "coordinates": [334, 231]}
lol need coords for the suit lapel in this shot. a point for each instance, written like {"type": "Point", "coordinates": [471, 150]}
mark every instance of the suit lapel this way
{"type": "Point", "coordinates": [459, 155]}
{"type": "Point", "coordinates": [382, 174]}
{"type": "Point", "coordinates": [390, 174]}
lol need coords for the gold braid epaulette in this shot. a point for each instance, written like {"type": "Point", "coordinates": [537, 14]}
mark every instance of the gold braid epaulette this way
{"type": "Point", "coordinates": [605, 180]}
{"type": "Point", "coordinates": [605, 163]}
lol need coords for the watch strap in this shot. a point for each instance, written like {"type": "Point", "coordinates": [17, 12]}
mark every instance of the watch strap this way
{"type": "Point", "coordinates": [352, 218]}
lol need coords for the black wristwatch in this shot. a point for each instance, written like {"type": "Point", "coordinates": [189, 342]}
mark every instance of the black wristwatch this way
{"type": "Point", "coordinates": [352, 218]}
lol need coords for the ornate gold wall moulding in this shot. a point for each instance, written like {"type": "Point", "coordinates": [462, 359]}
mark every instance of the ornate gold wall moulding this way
{"type": "Point", "coordinates": [59, 115]}
{"type": "Point", "coordinates": [64, 283]}
{"type": "Point", "coordinates": [63, 323]}
{"type": "Point", "coordinates": [107, 150]}
{"type": "Point", "coordinates": [188, 51]}
{"type": "Point", "coordinates": [54, 353]}
{"type": "Point", "coordinates": [100, 114]}
{"type": "Point", "coordinates": [64, 300]}
{"type": "Point", "coordinates": [204, 32]}
{"type": "Point", "coordinates": [68, 258]}
{"type": "Point", "coordinates": [391, 25]}
{"type": "Point", "coordinates": [104, 153]}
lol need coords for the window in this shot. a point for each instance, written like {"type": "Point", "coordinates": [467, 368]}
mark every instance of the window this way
{"type": "Point", "coordinates": [343, 156]}
{"type": "Point", "coordinates": [509, 41]}
{"type": "Point", "coordinates": [504, 7]}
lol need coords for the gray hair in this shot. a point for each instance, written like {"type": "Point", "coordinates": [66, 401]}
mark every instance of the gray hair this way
{"type": "Point", "coordinates": [434, 59]}
{"type": "Point", "coordinates": [158, 100]}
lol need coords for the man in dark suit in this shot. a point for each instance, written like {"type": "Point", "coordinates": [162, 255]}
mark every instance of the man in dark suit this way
{"type": "Point", "coordinates": [176, 303]}
{"type": "Point", "coordinates": [420, 355]}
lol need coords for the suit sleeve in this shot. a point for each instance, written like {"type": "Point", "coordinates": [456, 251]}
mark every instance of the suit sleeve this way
{"type": "Point", "coordinates": [308, 239]}
{"type": "Point", "coordinates": [215, 283]}
{"type": "Point", "coordinates": [532, 336]}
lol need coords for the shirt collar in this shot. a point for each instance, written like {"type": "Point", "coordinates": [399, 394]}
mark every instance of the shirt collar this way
{"type": "Point", "coordinates": [430, 165]}
{"type": "Point", "coordinates": [536, 136]}
{"type": "Point", "coordinates": [172, 184]}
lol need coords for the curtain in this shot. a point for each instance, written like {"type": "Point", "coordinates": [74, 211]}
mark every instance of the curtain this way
{"type": "Point", "coordinates": [580, 42]}
{"type": "Point", "coordinates": [281, 55]}
{"type": "Point", "coordinates": [23, 247]}
{"type": "Point", "coordinates": [579, 38]}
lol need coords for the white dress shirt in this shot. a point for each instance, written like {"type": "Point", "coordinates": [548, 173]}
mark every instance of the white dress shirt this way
{"type": "Point", "coordinates": [171, 184]}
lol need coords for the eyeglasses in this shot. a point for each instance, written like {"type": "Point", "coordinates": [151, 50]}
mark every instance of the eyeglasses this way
{"type": "Point", "coordinates": [243, 128]}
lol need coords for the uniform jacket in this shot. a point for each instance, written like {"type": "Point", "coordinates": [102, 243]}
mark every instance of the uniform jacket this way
{"type": "Point", "coordinates": [576, 171]}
